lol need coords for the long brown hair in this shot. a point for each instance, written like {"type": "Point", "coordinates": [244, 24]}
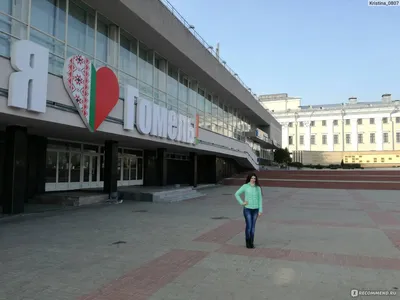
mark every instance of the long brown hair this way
{"type": "Point", "coordinates": [256, 183]}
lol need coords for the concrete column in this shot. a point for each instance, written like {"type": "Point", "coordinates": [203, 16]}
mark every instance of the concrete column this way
{"type": "Point", "coordinates": [354, 134]}
{"type": "Point", "coordinates": [2, 159]}
{"type": "Point", "coordinates": [193, 169]}
{"type": "Point", "coordinates": [15, 170]}
{"type": "Point", "coordinates": [343, 134]}
{"type": "Point", "coordinates": [285, 135]}
{"type": "Point", "coordinates": [36, 165]}
{"type": "Point", "coordinates": [162, 166]}
{"type": "Point", "coordinates": [379, 134]}
{"type": "Point", "coordinates": [329, 126]}
{"type": "Point", "coordinates": [307, 136]}
{"type": "Point", "coordinates": [111, 173]}
{"type": "Point", "coordinates": [393, 120]}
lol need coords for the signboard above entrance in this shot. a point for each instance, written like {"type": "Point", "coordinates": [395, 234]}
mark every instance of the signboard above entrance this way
{"type": "Point", "coordinates": [94, 93]}
{"type": "Point", "coordinates": [156, 120]}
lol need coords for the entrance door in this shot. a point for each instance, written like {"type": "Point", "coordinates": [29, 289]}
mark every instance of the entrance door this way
{"type": "Point", "coordinates": [128, 168]}
{"type": "Point", "coordinates": [90, 170]}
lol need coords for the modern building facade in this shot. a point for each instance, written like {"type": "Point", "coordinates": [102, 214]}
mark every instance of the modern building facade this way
{"type": "Point", "coordinates": [357, 132]}
{"type": "Point", "coordinates": [97, 94]}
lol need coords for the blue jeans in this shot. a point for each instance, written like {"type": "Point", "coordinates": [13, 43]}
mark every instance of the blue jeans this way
{"type": "Point", "coordinates": [250, 216]}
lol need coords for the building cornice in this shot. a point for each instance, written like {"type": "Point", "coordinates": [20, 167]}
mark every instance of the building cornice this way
{"type": "Point", "coordinates": [385, 111]}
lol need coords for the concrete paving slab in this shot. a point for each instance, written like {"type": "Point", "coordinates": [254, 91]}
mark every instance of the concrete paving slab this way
{"type": "Point", "coordinates": [311, 244]}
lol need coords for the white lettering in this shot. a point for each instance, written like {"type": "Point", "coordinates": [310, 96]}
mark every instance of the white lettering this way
{"type": "Point", "coordinates": [131, 95]}
{"type": "Point", "coordinates": [190, 131]}
{"type": "Point", "coordinates": [28, 86]}
{"type": "Point", "coordinates": [182, 126]}
{"type": "Point", "coordinates": [172, 125]}
{"type": "Point", "coordinates": [160, 121]}
{"type": "Point", "coordinates": [143, 116]}
{"type": "Point", "coordinates": [156, 120]}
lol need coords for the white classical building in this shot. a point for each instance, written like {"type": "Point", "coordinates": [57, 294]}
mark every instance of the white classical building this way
{"type": "Point", "coordinates": [352, 129]}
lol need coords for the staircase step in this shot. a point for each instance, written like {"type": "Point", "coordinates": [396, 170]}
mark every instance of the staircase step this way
{"type": "Point", "coordinates": [70, 200]}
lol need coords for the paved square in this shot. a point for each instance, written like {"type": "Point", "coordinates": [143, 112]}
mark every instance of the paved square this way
{"type": "Point", "coordinates": [311, 244]}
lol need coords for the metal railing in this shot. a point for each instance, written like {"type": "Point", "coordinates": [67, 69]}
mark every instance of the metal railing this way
{"type": "Point", "coordinates": [210, 48]}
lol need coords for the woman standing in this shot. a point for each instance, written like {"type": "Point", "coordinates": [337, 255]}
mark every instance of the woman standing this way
{"type": "Point", "coordinates": [252, 206]}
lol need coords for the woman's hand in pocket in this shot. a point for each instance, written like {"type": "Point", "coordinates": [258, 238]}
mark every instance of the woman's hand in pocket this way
{"type": "Point", "coordinates": [245, 203]}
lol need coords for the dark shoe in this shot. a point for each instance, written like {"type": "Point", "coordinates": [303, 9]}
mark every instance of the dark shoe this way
{"type": "Point", "coordinates": [252, 243]}
{"type": "Point", "coordinates": [248, 244]}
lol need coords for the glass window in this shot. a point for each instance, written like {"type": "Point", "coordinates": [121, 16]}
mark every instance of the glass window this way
{"type": "Point", "coordinates": [324, 139]}
{"type": "Point", "coordinates": [145, 64]}
{"type": "Point", "coordinates": [63, 166]}
{"type": "Point", "coordinates": [386, 137]}
{"type": "Point", "coordinates": [301, 140]}
{"type": "Point", "coordinates": [172, 81]}
{"type": "Point", "coordinates": [160, 98]}
{"type": "Point", "coordinates": [183, 87]}
{"type": "Point", "coordinates": [360, 137]}
{"type": "Point", "coordinates": [160, 73]}
{"type": "Point", "coordinates": [201, 120]}
{"type": "Point", "coordinates": [133, 169]}
{"type": "Point", "coordinates": [229, 118]}
{"type": "Point", "coordinates": [208, 104]}
{"type": "Point", "coordinates": [103, 41]}
{"type": "Point", "coordinates": [191, 112]}
{"type": "Point", "coordinates": [5, 26]}
{"type": "Point", "coordinates": [172, 101]}
{"type": "Point", "coordinates": [146, 91]}
{"type": "Point", "coordinates": [215, 107]}
{"type": "Point", "coordinates": [49, 16]}
{"type": "Point", "coordinates": [312, 140]}
{"type": "Point", "coordinates": [48, 30]}
{"type": "Point", "coordinates": [372, 137]}
{"type": "Point", "coordinates": [51, 167]}
{"type": "Point", "coordinates": [75, 167]}
{"type": "Point", "coordinates": [234, 118]}
{"type": "Point", "coordinates": [193, 88]}
{"type": "Point", "coordinates": [220, 114]}
{"type": "Point", "coordinates": [125, 79]}
{"type": "Point", "coordinates": [200, 100]}
{"type": "Point", "coordinates": [348, 138]}
{"type": "Point", "coordinates": [336, 139]}
{"type": "Point", "coordinates": [226, 116]}
{"type": "Point", "coordinates": [127, 54]}
{"type": "Point", "coordinates": [81, 26]}
{"type": "Point", "coordinates": [17, 9]}
{"type": "Point", "coordinates": [183, 108]}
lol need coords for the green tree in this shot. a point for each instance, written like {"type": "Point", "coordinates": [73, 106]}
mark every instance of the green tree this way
{"type": "Point", "coordinates": [282, 156]}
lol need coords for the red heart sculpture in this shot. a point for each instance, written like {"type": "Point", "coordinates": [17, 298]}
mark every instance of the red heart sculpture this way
{"type": "Point", "coordinates": [107, 94]}
{"type": "Point", "coordinates": [94, 93]}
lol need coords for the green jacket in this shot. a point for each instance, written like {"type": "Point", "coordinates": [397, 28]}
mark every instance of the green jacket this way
{"type": "Point", "coordinates": [252, 194]}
